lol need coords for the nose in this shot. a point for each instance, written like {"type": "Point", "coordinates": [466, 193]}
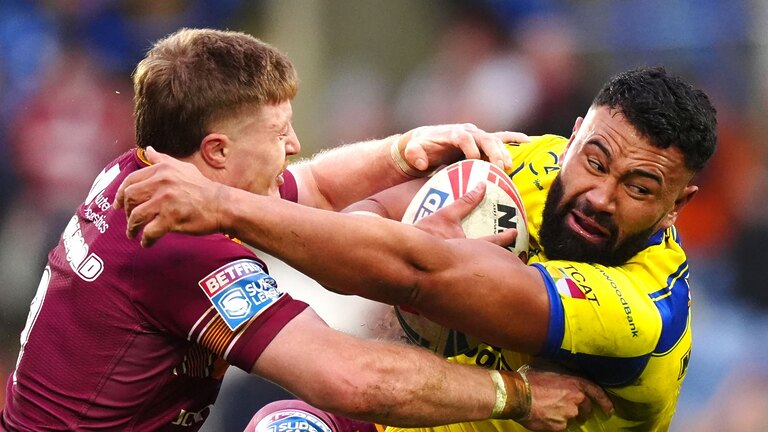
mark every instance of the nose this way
{"type": "Point", "coordinates": [602, 196]}
{"type": "Point", "coordinates": [292, 145]}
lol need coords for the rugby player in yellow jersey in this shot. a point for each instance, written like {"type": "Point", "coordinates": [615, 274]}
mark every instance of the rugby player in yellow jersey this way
{"type": "Point", "coordinates": [605, 291]}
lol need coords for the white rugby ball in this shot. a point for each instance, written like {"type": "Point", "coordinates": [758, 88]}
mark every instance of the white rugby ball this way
{"type": "Point", "coordinates": [501, 209]}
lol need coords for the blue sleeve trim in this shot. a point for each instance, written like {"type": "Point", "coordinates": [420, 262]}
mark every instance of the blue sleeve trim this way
{"type": "Point", "coordinates": [556, 329]}
{"type": "Point", "coordinates": [607, 371]}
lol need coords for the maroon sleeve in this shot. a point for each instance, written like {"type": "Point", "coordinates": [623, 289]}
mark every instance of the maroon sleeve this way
{"type": "Point", "coordinates": [289, 190]}
{"type": "Point", "coordinates": [267, 326]}
{"type": "Point", "coordinates": [212, 291]}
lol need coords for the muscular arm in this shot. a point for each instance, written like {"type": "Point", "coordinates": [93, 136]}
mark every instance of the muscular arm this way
{"type": "Point", "coordinates": [338, 177]}
{"type": "Point", "coordinates": [373, 380]}
{"type": "Point", "coordinates": [378, 258]}
{"type": "Point", "coordinates": [324, 181]}
{"type": "Point", "coordinates": [449, 281]}
{"type": "Point", "coordinates": [401, 385]}
{"type": "Point", "coordinates": [390, 203]}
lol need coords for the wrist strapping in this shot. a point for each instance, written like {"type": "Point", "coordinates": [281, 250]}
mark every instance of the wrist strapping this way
{"type": "Point", "coordinates": [501, 394]}
{"type": "Point", "coordinates": [522, 371]}
{"type": "Point", "coordinates": [513, 395]}
{"type": "Point", "coordinates": [399, 159]}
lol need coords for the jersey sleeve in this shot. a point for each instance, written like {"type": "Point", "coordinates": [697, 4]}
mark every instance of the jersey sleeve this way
{"type": "Point", "coordinates": [214, 292]}
{"type": "Point", "coordinates": [601, 321]}
{"type": "Point", "coordinates": [289, 190]}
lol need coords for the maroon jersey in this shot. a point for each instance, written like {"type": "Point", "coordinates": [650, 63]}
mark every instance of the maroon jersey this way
{"type": "Point", "coordinates": [120, 337]}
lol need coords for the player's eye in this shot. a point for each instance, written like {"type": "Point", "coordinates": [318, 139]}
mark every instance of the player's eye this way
{"type": "Point", "coordinates": [596, 165]}
{"type": "Point", "coordinates": [639, 189]}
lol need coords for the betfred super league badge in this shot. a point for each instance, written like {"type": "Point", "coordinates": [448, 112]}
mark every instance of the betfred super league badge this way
{"type": "Point", "coordinates": [290, 420]}
{"type": "Point", "coordinates": [240, 290]}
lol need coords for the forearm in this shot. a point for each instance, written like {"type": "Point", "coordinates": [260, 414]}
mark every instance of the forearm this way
{"type": "Point", "coordinates": [383, 382]}
{"type": "Point", "coordinates": [338, 177]}
{"type": "Point", "coordinates": [412, 387]}
{"type": "Point", "coordinates": [375, 258]}
{"type": "Point", "coordinates": [386, 263]}
{"type": "Point", "coordinates": [390, 203]}
{"type": "Point", "coordinates": [399, 264]}
{"type": "Point", "coordinates": [405, 386]}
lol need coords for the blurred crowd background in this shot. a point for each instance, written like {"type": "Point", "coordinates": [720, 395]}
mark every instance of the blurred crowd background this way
{"type": "Point", "coordinates": [372, 68]}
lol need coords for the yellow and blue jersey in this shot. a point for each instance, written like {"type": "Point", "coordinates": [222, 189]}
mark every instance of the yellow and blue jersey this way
{"type": "Point", "coordinates": [626, 327]}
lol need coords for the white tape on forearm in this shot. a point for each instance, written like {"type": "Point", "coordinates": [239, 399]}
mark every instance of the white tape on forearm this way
{"type": "Point", "coordinates": [501, 394]}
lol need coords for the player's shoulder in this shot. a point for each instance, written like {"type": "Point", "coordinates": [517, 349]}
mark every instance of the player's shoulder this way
{"type": "Point", "coordinates": [205, 246]}
{"type": "Point", "coordinates": [662, 257]}
{"type": "Point", "coordinates": [192, 256]}
{"type": "Point", "coordinates": [540, 142]}
{"type": "Point", "coordinates": [548, 140]}
{"type": "Point", "coordinates": [538, 145]}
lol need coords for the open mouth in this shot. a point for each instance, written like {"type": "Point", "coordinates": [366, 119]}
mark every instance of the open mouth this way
{"type": "Point", "coordinates": [587, 227]}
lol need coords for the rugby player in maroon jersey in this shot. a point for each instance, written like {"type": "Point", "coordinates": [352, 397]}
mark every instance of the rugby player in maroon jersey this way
{"type": "Point", "coordinates": [120, 337]}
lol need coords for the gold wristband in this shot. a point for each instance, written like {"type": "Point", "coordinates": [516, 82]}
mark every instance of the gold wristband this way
{"type": "Point", "coordinates": [522, 370]}
{"type": "Point", "coordinates": [501, 394]}
{"type": "Point", "coordinates": [517, 405]}
{"type": "Point", "coordinates": [399, 159]}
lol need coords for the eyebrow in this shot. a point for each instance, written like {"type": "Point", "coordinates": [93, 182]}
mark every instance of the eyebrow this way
{"type": "Point", "coordinates": [635, 172]}
{"type": "Point", "coordinates": [602, 148]}
{"type": "Point", "coordinates": [647, 174]}
{"type": "Point", "coordinates": [281, 125]}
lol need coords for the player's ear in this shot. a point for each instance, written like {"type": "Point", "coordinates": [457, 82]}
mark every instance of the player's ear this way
{"type": "Point", "coordinates": [684, 198]}
{"type": "Point", "coordinates": [576, 127]}
{"type": "Point", "coordinates": [214, 149]}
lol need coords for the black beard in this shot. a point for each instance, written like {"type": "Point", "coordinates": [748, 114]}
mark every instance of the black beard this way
{"type": "Point", "coordinates": [559, 242]}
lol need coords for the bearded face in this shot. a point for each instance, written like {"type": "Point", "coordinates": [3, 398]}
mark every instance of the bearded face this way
{"type": "Point", "coordinates": [560, 242]}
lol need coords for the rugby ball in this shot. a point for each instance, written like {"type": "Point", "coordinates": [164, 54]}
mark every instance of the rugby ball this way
{"type": "Point", "coordinates": [501, 209]}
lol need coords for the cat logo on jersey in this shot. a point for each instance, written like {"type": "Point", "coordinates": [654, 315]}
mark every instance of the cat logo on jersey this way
{"type": "Point", "coordinates": [240, 290]}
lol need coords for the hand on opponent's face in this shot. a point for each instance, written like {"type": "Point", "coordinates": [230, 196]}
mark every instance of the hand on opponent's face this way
{"type": "Point", "coordinates": [168, 196]}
